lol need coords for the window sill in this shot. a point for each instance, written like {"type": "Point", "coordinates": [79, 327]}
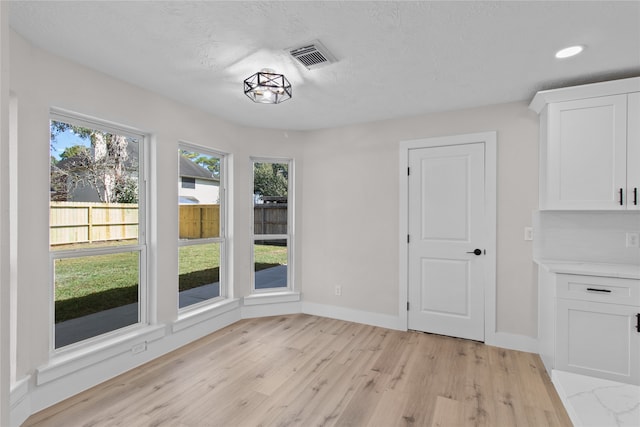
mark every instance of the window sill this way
{"type": "Point", "coordinates": [271, 298]}
{"type": "Point", "coordinates": [68, 361]}
{"type": "Point", "coordinates": [203, 313]}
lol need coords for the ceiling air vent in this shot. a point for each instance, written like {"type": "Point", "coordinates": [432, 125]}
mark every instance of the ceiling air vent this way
{"type": "Point", "coordinates": [312, 55]}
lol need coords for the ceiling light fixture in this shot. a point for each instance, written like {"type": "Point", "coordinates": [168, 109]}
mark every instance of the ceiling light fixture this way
{"type": "Point", "coordinates": [267, 87]}
{"type": "Point", "coordinates": [568, 52]}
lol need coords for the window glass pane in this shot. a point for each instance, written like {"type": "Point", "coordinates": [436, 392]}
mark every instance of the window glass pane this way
{"type": "Point", "coordinates": [94, 186]}
{"type": "Point", "coordinates": [199, 273]}
{"type": "Point", "coordinates": [199, 195]}
{"type": "Point", "coordinates": [188, 182]}
{"type": "Point", "coordinates": [270, 196]}
{"type": "Point", "coordinates": [199, 200]}
{"type": "Point", "coordinates": [94, 204]}
{"type": "Point", "coordinates": [270, 263]}
{"type": "Point", "coordinates": [95, 294]}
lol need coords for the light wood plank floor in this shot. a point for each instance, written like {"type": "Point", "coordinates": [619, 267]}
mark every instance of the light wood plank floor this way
{"type": "Point", "coordinates": [302, 370]}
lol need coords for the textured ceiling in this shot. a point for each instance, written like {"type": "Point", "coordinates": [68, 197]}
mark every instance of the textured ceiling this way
{"type": "Point", "coordinates": [395, 59]}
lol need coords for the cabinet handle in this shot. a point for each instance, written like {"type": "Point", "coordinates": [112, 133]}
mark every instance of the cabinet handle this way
{"type": "Point", "coordinates": [638, 322]}
{"type": "Point", "coordinates": [635, 196]}
{"type": "Point", "coordinates": [599, 290]}
{"type": "Point", "coordinates": [620, 192]}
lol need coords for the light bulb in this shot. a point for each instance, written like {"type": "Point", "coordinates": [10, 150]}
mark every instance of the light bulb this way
{"type": "Point", "coordinates": [568, 52]}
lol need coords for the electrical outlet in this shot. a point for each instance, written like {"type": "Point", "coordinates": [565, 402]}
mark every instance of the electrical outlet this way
{"type": "Point", "coordinates": [139, 348]}
{"type": "Point", "coordinates": [338, 290]}
{"type": "Point", "coordinates": [633, 240]}
{"type": "Point", "coordinates": [528, 233]}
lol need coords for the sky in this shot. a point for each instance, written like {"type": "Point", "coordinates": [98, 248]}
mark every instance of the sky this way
{"type": "Point", "coordinates": [64, 140]}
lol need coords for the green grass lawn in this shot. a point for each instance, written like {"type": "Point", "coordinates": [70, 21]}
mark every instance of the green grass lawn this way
{"type": "Point", "coordinates": [270, 255]}
{"type": "Point", "coordinates": [91, 284]}
{"type": "Point", "coordinates": [88, 285]}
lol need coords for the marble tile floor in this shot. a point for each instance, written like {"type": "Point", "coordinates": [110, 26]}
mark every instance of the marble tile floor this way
{"type": "Point", "coordinates": [596, 402]}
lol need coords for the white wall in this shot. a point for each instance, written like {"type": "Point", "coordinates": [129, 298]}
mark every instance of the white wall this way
{"type": "Point", "coordinates": [41, 81]}
{"type": "Point", "coordinates": [599, 237]}
{"type": "Point", "coordinates": [346, 212]}
{"type": "Point", "coordinates": [4, 215]}
{"type": "Point", "coordinates": [350, 210]}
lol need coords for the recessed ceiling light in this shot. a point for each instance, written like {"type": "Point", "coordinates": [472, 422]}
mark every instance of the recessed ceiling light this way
{"type": "Point", "coordinates": [568, 52]}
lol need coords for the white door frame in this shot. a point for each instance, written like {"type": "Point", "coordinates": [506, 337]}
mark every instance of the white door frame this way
{"type": "Point", "coordinates": [490, 142]}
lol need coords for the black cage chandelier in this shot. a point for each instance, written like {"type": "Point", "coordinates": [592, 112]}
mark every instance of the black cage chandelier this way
{"type": "Point", "coordinates": [267, 87]}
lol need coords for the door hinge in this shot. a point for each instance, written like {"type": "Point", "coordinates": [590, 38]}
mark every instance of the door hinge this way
{"type": "Point", "coordinates": [407, 305]}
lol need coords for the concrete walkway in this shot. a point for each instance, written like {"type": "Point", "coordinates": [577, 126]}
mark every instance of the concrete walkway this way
{"type": "Point", "coordinates": [81, 328]}
{"type": "Point", "coordinates": [274, 277]}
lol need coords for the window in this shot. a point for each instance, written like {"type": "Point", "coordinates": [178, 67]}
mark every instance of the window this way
{"type": "Point", "coordinates": [188, 182]}
{"type": "Point", "coordinates": [202, 243]}
{"type": "Point", "coordinates": [97, 228]}
{"type": "Point", "coordinates": [271, 225]}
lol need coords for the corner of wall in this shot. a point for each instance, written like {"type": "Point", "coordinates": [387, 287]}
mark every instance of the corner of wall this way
{"type": "Point", "coordinates": [20, 402]}
{"type": "Point", "coordinates": [513, 342]}
{"type": "Point", "coordinates": [5, 371]}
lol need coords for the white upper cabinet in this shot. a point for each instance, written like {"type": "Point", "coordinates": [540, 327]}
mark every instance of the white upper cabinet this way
{"type": "Point", "coordinates": [586, 153]}
{"type": "Point", "coordinates": [590, 146]}
{"type": "Point", "coordinates": [633, 151]}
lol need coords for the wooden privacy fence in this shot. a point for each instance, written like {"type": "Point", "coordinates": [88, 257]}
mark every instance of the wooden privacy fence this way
{"type": "Point", "coordinates": [270, 218]}
{"type": "Point", "coordinates": [199, 221]}
{"type": "Point", "coordinates": [81, 222]}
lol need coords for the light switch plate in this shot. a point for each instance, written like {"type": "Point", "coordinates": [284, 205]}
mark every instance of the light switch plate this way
{"type": "Point", "coordinates": [633, 240]}
{"type": "Point", "coordinates": [528, 233]}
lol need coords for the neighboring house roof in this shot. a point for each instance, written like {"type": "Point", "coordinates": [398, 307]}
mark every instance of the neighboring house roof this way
{"type": "Point", "coordinates": [190, 169]}
{"type": "Point", "coordinates": [188, 200]}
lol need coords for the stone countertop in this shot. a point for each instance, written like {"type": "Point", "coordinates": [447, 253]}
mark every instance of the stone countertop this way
{"type": "Point", "coordinates": [623, 271]}
{"type": "Point", "coordinates": [597, 402]}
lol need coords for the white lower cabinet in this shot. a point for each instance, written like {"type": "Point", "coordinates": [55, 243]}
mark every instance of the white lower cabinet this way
{"type": "Point", "coordinates": [596, 327]}
{"type": "Point", "coordinates": [598, 339]}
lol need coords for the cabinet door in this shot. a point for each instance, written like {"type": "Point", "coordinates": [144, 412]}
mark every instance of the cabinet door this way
{"type": "Point", "coordinates": [586, 153]}
{"type": "Point", "coordinates": [633, 151]}
{"type": "Point", "coordinates": [598, 339]}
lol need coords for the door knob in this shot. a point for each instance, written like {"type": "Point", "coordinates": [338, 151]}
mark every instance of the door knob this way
{"type": "Point", "coordinates": [476, 252]}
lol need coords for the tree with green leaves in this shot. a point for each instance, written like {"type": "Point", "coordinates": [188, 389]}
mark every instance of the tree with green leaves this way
{"type": "Point", "coordinates": [105, 167]}
{"type": "Point", "coordinates": [270, 179]}
{"type": "Point", "coordinates": [209, 162]}
{"type": "Point", "coordinates": [74, 150]}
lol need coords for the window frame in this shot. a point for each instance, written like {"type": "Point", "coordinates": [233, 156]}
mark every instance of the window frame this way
{"type": "Point", "coordinates": [143, 233]}
{"type": "Point", "coordinates": [289, 236]}
{"type": "Point", "coordinates": [188, 182]}
{"type": "Point", "coordinates": [223, 239]}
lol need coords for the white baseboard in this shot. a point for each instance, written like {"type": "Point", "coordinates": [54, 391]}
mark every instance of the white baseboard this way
{"type": "Point", "coordinates": [27, 398]}
{"type": "Point", "coordinates": [498, 339]}
{"type": "Point", "coordinates": [63, 387]}
{"type": "Point", "coordinates": [513, 342]}
{"type": "Point", "coordinates": [19, 402]}
{"type": "Point", "coordinates": [352, 315]}
{"type": "Point", "coordinates": [270, 309]}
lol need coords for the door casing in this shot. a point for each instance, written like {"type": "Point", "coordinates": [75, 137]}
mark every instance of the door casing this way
{"type": "Point", "coordinates": [490, 141]}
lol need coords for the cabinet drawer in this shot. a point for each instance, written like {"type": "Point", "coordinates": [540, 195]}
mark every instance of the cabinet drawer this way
{"type": "Point", "coordinates": [599, 289]}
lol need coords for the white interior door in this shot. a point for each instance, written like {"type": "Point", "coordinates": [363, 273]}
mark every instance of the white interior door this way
{"type": "Point", "coordinates": [447, 223]}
